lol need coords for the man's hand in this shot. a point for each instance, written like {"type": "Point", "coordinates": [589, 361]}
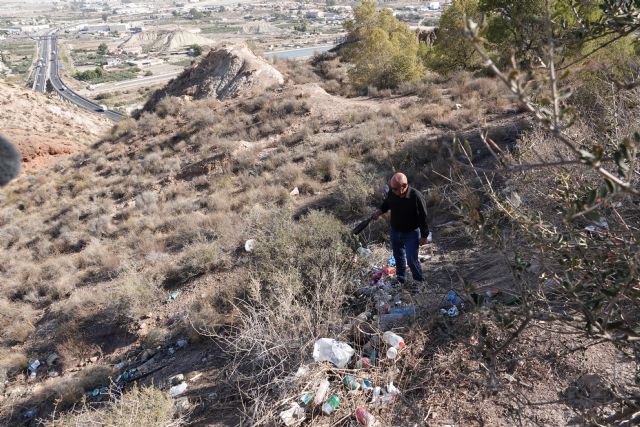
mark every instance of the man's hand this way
{"type": "Point", "coordinates": [423, 241]}
{"type": "Point", "coordinates": [376, 214]}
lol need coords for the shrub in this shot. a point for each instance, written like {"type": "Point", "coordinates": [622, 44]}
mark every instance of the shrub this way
{"type": "Point", "coordinates": [144, 407]}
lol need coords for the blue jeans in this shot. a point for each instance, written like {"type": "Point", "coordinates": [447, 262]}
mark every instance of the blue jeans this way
{"type": "Point", "coordinates": [405, 246]}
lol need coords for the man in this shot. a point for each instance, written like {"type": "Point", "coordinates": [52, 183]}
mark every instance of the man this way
{"type": "Point", "coordinates": [409, 229]}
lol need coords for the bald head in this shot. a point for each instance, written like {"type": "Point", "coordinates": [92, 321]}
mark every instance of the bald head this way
{"type": "Point", "coordinates": [399, 184]}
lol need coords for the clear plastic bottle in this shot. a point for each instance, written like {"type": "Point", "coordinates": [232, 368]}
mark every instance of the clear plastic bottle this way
{"type": "Point", "coordinates": [351, 383]}
{"type": "Point", "coordinates": [330, 405]}
{"type": "Point", "coordinates": [392, 353]}
{"type": "Point", "coordinates": [321, 392]}
{"type": "Point", "coordinates": [393, 340]}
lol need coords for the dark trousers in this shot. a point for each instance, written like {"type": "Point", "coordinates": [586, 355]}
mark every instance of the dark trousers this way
{"type": "Point", "coordinates": [405, 246]}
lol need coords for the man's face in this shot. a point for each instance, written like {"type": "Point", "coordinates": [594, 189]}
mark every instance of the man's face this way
{"type": "Point", "coordinates": [399, 188]}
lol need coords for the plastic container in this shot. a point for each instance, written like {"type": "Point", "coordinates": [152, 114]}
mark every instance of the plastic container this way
{"type": "Point", "coordinates": [393, 340]}
{"type": "Point", "coordinates": [292, 416]}
{"type": "Point", "coordinates": [351, 383]}
{"type": "Point", "coordinates": [399, 314]}
{"type": "Point", "coordinates": [392, 353]}
{"type": "Point", "coordinates": [306, 398]}
{"type": "Point", "coordinates": [337, 352]}
{"type": "Point", "coordinates": [330, 405]}
{"type": "Point", "coordinates": [391, 262]}
{"type": "Point", "coordinates": [321, 392]}
{"type": "Point", "coordinates": [363, 362]}
{"type": "Point", "coordinates": [364, 417]}
{"type": "Point", "coordinates": [177, 390]}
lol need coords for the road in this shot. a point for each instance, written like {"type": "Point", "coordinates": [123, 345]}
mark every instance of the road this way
{"type": "Point", "coordinates": [132, 84]}
{"type": "Point", "coordinates": [42, 66]}
{"type": "Point", "coordinates": [49, 70]}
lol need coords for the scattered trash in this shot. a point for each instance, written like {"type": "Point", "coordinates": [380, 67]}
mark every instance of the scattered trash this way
{"type": "Point", "coordinates": [391, 262]}
{"type": "Point", "coordinates": [454, 299]}
{"type": "Point", "coordinates": [330, 405]}
{"type": "Point", "coordinates": [250, 245]}
{"type": "Point", "coordinates": [53, 374]}
{"type": "Point", "coordinates": [351, 383]}
{"type": "Point", "coordinates": [129, 375]}
{"type": "Point", "coordinates": [321, 392]}
{"type": "Point", "coordinates": [397, 316]}
{"type": "Point", "coordinates": [393, 340]}
{"type": "Point", "coordinates": [423, 258]}
{"type": "Point", "coordinates": [295, 191]}
{"type": "Point", "coordinates": [176, 379]}
{"type": "Point", "coordinates": [33, 368]}
{"type": "Point", "coordinates": [306, 399]}
{"type": "Point", "coordinates": [458, 106]}
{"type": "Point", "coordinates": [30, 413]}
{"type": "Point", "coordinates": [451, 312]}
{"type": "Point", "coordinates": [97, 392]}
{"type": "Point", "coordinates": [52, 359]}
{"type": "Point", "coordinates": [363, 362]}
{"type": "Point", "coordinates": [292, 416]}
{"type": "Point", "coordinates": [364, 417]}
{"type": "Point", "coordinates": [302, 371]}
{"type": "Point", "coordinates": [173, 296]}
{"type": "Point", "coordinates": [392, 353]}
{"type": "Point", "coordinates": [337, 352]}
{"type": "Point", "coordinates": [182, 404]}
{"type": "Point", "coordinates": [182, 343]}
{"type": "Point", "coordinates": [177, 390]}
{"type": "Point", "coordinates": [599, 227]}
{"type": "Point", "coordinates": [364, 252]}
{"type": "Point", "coordinates": [367, 385]}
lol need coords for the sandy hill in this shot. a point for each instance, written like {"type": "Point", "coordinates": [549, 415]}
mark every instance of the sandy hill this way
{"type": "Point", "coordinates": [226, 71]}
{"type": "Point", "coordinates": [165, 41]}
{"type": "Point", "coordinates": [43, 127]}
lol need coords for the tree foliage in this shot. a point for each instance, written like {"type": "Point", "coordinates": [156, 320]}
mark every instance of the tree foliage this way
{"type": "Point", "coordinates": [103, 49]}
{"type": "Point", "coordinates": [382, 49]}
{"type": "Point", "coordinates": [452, 52]}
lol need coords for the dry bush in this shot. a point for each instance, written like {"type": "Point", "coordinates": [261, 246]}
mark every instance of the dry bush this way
{"type": "Point", "coordinates": [16, 321]}
{"type": "Point", "coordinates": [168, 106]}
{"type": "Point", "coordinates": [124, 128]}
{"type": "Point", "coordinates": [197, 259]}
{"type": "Point", "coordinates": [296, 71]}
{"type": "Point", "coordinates": [326, 166]}
{"type": "Point", "coordinates": [144, 407]}
{"type": "Point", "coordinates": [298, 289]}
{"type": "Point", "coordinates": [289, 174]}
{"type": "Point", "coordinates": [354, 196]}
{"type": "Point", "coordinates": [11, 362]}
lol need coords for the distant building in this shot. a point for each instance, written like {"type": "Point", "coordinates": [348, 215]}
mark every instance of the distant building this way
{"type": "Point", "coordinates": [434, 5]}
{"type": "Point", "coordinates": [102, 28]}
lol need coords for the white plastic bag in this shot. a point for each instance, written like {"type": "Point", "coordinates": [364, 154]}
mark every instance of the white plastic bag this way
{"type": "Point", "coordinates": [337, 352]}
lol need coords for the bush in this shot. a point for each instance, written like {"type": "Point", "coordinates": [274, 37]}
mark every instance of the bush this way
{"type": "Point", "coordinates": [144, 407]}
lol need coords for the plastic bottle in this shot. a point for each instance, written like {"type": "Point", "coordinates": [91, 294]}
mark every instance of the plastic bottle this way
{"type": "Point", "coordinates": [321, 392]}
{"type": "Point", "coordinates": [363, 362]}
{"type": "Point", "coordinates": [392, 353]}
{"type": "Point", "coordinates": [292, 416]}
{"type": "Point", "coordinates": [393, 340]}
{"type": "Point", "coordinates": [364, 417]}
{"type": "Point", "coordinates": [391, 262]}
{"type": "Point", "coordinates": [330, 405]}
{"type": "Point", "coordinates": [351, 383]}
{"type": "Point", "coordinates": [399, 314]}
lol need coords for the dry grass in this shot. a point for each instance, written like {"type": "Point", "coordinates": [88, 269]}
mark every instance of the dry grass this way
{"type": "Point", "coordinates": [144, 407]}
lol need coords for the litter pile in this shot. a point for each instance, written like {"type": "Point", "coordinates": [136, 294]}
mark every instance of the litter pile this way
{"type": "Point", "coordinates": [344, 382]}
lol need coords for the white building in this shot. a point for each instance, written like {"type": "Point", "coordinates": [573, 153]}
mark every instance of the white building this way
{"type": "Point", "coordinates": [434, 5]}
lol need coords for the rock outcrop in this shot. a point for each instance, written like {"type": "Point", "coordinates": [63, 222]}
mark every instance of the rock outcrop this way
{"type": "Point", "coordinates": [226, 72]}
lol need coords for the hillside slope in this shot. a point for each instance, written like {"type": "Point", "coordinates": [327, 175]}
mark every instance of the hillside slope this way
{"type": "Point", "coordinates": [129, 263]}
{"type": "Point", "coordinates": [44, 128]}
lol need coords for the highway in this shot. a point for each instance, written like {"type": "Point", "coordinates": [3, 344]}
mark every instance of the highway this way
{"type": "Point", "coordinates": [41, 66]}
{"type": "Point", "coordinates": [50, 69]}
